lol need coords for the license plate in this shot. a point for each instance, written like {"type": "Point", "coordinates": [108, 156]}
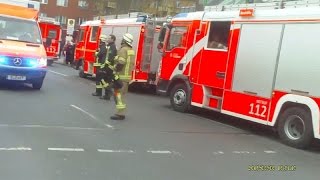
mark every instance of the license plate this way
{"type": "Point", "coordinates": [17, 78]}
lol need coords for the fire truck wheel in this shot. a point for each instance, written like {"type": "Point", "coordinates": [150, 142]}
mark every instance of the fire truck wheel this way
{"type": "Point", "coordinates": [295, 127]}
{"type": "Point", "coordinates": [180, 98]}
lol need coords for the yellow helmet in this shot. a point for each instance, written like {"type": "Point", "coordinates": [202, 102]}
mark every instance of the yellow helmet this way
{"type": "Point", "coordinates": [103, 38]}
{"type": "Point", "coordinates": [128, 38]}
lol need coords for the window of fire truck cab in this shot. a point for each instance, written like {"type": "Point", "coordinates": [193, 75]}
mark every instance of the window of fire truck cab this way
{"type": "Point", "coordinates": [94, 33]}
{"type": "Point", "coordinates": [177, 37]}
{"type": "Point", "coordinates": [218, 35]}
{"type": "Point", "coordinates": [81, 35]}
{"type": "Point", "coordinates": [52, 34]}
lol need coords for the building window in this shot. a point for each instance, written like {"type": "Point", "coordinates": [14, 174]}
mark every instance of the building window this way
{"type": "Point", "coordinates": [44, 1]}
{"type": "Point", "coordinates": [81, 20]}
{"type": "Point", "coordinates": [43, 15]}
{"type": "Point", "coordinates": [83, 4]}
{"type": "Point", "coordinates": [219, 34]}
{"type": "Point", "coordinates": [62, 3]}
{"type": "Point", "coordinates": [61, 19]}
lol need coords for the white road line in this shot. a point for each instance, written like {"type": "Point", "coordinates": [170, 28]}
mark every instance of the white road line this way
{"type": "Point", "coordinates": [78, 108]}
{"type": "Point", "coordinates": [16, 149]}
{"type": "Point", "coordinates": [48, 127]}
{"type": "Point", "coordinates": [241, 152]}
{"type": "Point", "coordinates": [90, 115]}
{"type": "Point", "coordinates": [109, 126]}
{"type": "Point", "coordinates": [270, 152]}
{"type": "Point", "coordinates": [160, 152]}
{"type": "Point", "coordinates": [116, 151]}
{"type": "Point", "coordinates": [66, 149]}
{"type": "Point", "coordinates": [57, 73]}
{"type": "Point", "coordinates": [218, 152]}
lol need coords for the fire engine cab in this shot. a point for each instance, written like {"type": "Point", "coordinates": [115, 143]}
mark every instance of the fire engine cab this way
{"type": "Point", "coordinates": [257, 62]}
{"type": "Point", "coordinates": [144, 31]}
{"type": "Point", "coordinates": [51, 36]}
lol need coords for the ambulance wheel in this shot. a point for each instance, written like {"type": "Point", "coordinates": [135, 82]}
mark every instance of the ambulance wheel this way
{"type": "Point", "coordinates": [50, 62]}
{"type": "Point", "coordinates": [37, 84]}
{"type": "Point", "coordinates": [295, 127]}
{"type": "Point", "coordinates": [180, 98]}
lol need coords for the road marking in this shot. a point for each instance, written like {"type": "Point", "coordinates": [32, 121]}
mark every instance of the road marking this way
{"type": "Point", "coordinates": [78, 108]}
{"type": "Point", "coordinates": [241, 152]}
{"type": "Point", "coordinates": [57, 73]}
{"type": "Point", "coordinates": [58, 127]}
{"type": "Point", "coordinates": [16, 149]}
{"type": "Point", "coordinates": [218, 152]}
{"type": "Point", "coordinates": [270, 152]}
{"type": "Point", "coordinates": [48, 127]}
{"type": "Point", "coordinates": [117, 151]}
{"type": "Point", "coordinates": [90, 115]}
{"type": "Point", "coordinates": [159, 152]}
{"type": "Point", "coordinates": [66, 149]}
{"type": "Point", "coordinates": [109, 126]}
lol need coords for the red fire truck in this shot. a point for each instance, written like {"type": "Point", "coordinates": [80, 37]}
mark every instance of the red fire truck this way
{"type": "Point", "coordinates": [145, 33]}
{"type": "Point", "coordinates": [257, 62]}
{"type": "Point", "coordinates": [51, 36]}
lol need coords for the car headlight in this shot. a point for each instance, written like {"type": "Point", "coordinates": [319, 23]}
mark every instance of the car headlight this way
{"type": "Point", "coordinates": [3, 60]}
{"type": "Point", "coordinates": [42, 62]}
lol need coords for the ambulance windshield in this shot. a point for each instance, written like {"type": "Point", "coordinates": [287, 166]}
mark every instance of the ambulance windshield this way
{"type": "Point", "coordinates": [19, 30]}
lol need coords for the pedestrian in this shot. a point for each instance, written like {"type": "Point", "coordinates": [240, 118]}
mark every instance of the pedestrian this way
{"type": "Point", "coordinates": [108, 74]}
{"type": "Point", "coordinates": [63, 41]}
{"type": "Point", "coordinates": [123, 66]}
{"type": "Point", "coordinates": [69, 52]}
{"type": "Point", "coordinates": [100, 56]}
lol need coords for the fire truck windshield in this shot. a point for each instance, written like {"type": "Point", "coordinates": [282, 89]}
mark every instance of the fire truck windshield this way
{"type": "Point", "coordinates": [19, 30]}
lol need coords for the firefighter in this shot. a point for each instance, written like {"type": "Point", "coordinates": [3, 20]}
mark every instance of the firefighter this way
{"type": "Point", "coordinates": [100, 55]}
{"type": "Point", "coordinates": [123, 66]}
{"type": "Point", "coordinates": [108, 73]}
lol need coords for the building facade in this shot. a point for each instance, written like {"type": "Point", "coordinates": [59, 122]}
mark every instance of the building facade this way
{"type": "Point", "coordinates": [62, 10]}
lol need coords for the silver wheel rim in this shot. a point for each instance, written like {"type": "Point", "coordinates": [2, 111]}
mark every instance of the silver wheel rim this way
{"type": "Point", "coordinates": [179, 97]}
{"type": "Point", "coordinates": [294, 127]}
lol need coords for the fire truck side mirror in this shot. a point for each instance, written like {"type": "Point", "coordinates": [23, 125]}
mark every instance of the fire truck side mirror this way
{"type": "Point", "coordinates": [162, 34]}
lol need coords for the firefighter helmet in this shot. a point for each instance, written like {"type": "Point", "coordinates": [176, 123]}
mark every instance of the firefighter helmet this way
{"type": "Point", "coordinates": [128, 38]}
{"type": "Point", "coordinates": [103, 38]}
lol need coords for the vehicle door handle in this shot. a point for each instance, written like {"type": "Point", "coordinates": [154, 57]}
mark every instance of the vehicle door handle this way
{"type": "Point", "coordinates": [220, 74]}
{"type": "Point", "coordinates": [176, 56]}
{"type": "Point", "coordinates": [181, 66]}
{"type": "Point", "coordinates": [250, 92]}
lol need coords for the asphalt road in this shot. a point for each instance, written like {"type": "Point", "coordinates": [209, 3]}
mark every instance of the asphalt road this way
{"type": "Point", "coordinates": [63, 133]}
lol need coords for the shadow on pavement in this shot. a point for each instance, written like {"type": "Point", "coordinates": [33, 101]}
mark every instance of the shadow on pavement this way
{"type": "Point", "coordinates": [9, 86]}
{"type": "Point", "coordinates": [251, 127]}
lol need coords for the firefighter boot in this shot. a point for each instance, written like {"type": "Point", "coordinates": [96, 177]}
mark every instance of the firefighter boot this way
{"type": "Point", "coordinates": [118, 117]}
{"type": "Point", "coordinates": [98, 92]}
{"type": "Point", "coordinates": [107, 95]}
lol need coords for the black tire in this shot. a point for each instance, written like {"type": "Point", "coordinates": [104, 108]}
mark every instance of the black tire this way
{"type": "Point", "coordinates": [180, 98]}
{"type": "Point", "coordinates": [37, 84]}
{"type": "Point", "coordinates": [49, 62]}
{"type": "Point", "coordinates": [295, 127]}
